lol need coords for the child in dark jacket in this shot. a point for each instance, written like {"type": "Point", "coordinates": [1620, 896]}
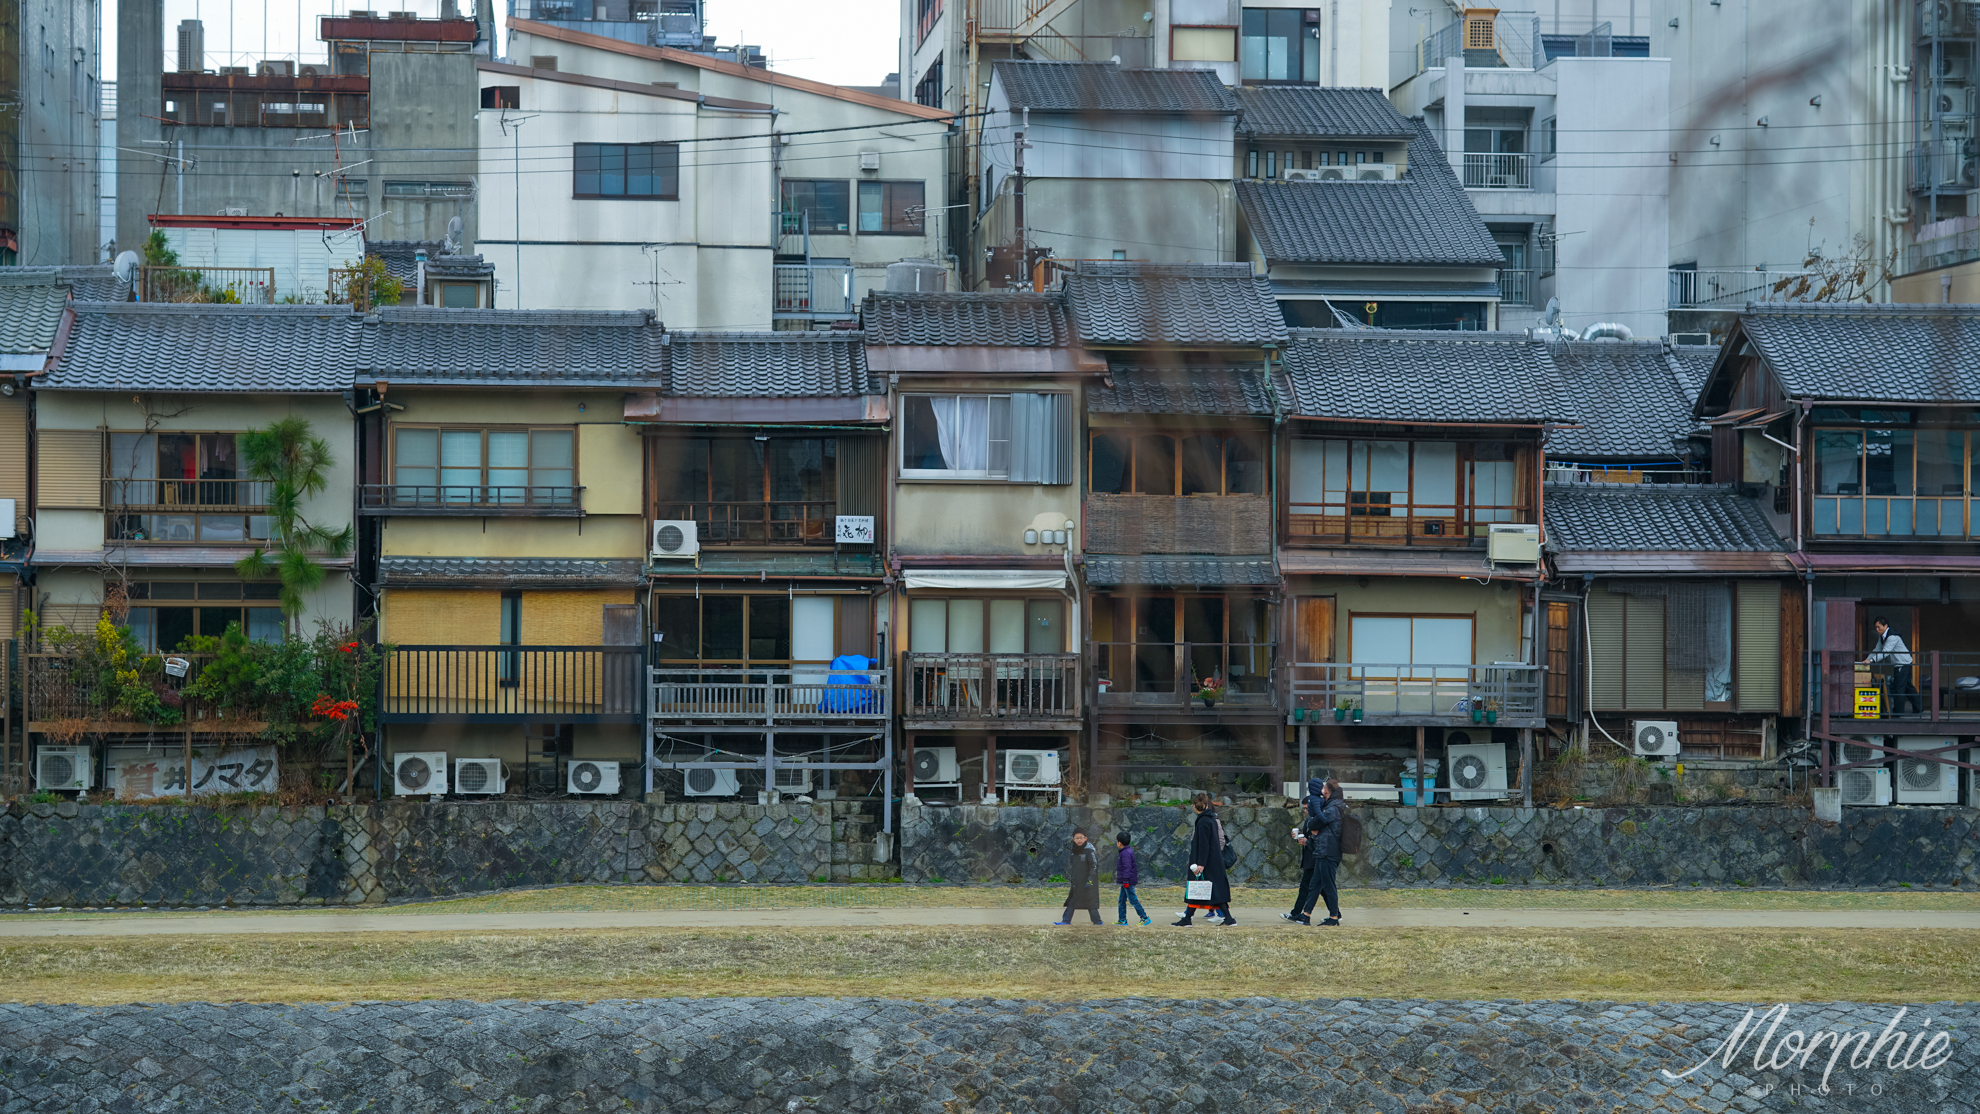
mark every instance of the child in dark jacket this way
{"type": "Point", "coordinates": [1083, 874]}
{"type": "Point", "coordinates": [1128, 873]}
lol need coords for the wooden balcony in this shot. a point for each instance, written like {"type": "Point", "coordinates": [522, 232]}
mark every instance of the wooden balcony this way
{"type": "Point", "coordinates": [784, 694]}
{"type": "Point", "coordinates": [1164, 679]}
{"type": "Point", "coordinates": [1504, 694]}
{"type": "Point", "coordinates": [511, 684]}
{"type": "Point", "coordinates": [785, 522]}
{"type": "Point", "coordinates": [1214, 525]}
{"type": "Point", "coordinates": [1008, 690]}
{"type": "Point", "coordinates": [1941, 691]}
{"type": "Point", "coordinates": [57, 695]}
{"type": "Point", "coordinates": [151, 496]}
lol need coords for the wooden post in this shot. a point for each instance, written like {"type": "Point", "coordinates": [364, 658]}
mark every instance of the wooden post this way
{"type": "Point", "coordinates": [989, 765]}
{"type": "Point", "coordinates": [1419, 767]}
{"type": "Point", "coordinates": [1526, 767]}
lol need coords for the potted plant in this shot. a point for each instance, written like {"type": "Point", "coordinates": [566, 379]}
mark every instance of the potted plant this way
{"type": "Point", "coordinates": [1354, 710]}
{"type": "Point", "coordinates": [1211, 690]}
{"type": "Point", "coordinates": [1491, 711]}
{"type": "Point", "coordinates": [1341, 709]}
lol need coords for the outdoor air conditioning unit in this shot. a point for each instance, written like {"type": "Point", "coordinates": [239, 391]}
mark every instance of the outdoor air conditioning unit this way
{"type": "Point", "coordinates": [1478, 771]}
{"type": "Point", "coordinates": [1865, 787]}
{"type": "Point", "coordinates": [1513, 543]}
{"type": "Point", "coordinates": [1698, 340]}
{"type": "Point", "coordinates": [420, 773]}
{"type": "Point", "coordinates": [63, 769]}
{"type": "Point", "coordinates": [1945, 19]}
{"type": "Point", "coordinates": [1922, 781]}
{"type": "Point", "coordinates": [936, 766]}
{"type": "Point", "coordinates": [787, 780]}
{"type": "Point", "coordinates": [675, 538]}
{"type": "Point", "coordinates": [589, 776]}
{"type": "Point", "coordinates": [480, 776]}
{"type": "Point", "coordinates": [705, 782]}
{"type": "Point", "coordinates": [869, 160]}
{"type": "Point", "coordinates": [1654, 738]}
{"type": "Point", "coordinates": [1028, 768]}
{"type": "Point", "coordinates": [1857, 752]}
{"type": "Point", "coordinates": [1373, 172]}
{"type": "Point", "coordinates": [1333, 174]}
{"type": "Point", "coordinates": [1305, 175]}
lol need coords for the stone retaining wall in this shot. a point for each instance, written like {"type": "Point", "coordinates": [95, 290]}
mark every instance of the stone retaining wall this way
{"type": "Point", "coordinates": [757, 1056]}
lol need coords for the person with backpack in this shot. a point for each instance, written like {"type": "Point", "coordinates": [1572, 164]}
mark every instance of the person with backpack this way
{"type": "Point", "coordinates": [1324, 842]}
{"type": "Point", "coordinates": [1307, 834]}
{"type": "Point", "coordinates": [1209, 857]}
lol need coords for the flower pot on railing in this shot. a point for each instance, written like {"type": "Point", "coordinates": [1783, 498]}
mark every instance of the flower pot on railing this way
{"type": "Point", "coordinates": [1491, 715]}
{"type": "Point", "coordinates": [1357, 715]}
{"type": "Point", "coordinates": [1340, 715]}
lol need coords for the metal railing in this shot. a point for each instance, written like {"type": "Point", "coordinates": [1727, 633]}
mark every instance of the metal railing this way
{"type": "Point", "coordinates": [1936, 686]}
{"type": "Point", "coordinates": [565, 684]}
{"type": "Point", "coordinates": [801, 691]}
{"type": "Point", "coordinates": [1948, 163]}
{"type": "Point", "coordinates": [790, 522]}
{"type": "Point", "coordinates": [1390, 690]}
{"type": "Point", "coordinates": [1010, 17]}
{"type": "Point", "coordinates": [1693, 289]}
{"type": "Point", "coordinates": [186, 495]}
{"type": "Point", "coordinates": [1515, 40]}
{"type": "Point", "coordinates": [990, 686]}
{"type": "Point", "coordinates": [245, 285]}
{"type": "Point", "coordinates": [1516, 287]}
{"type": "Point", "coordinates": [1171, 673]}
{"type": "Point", "coordinates": [812, 290]}
{"type": "Point", "coordinates": [470, 499]}
{"type": "Point", "coordinates": [1498, 170]}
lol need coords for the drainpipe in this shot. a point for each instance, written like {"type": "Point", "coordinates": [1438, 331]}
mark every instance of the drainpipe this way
{"type": "Point", "coordinates": [419, 283]}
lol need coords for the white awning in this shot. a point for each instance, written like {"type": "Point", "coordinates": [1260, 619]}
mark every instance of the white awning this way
{"type": "Point", "coordinates": [985, 579]}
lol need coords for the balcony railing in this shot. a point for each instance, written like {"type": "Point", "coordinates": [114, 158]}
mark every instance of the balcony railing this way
{"type": "Point", "coordinates": [990, 686]}
{"type": "Point", "coordinates": [167, 496]}
{"type": "Point", "coordinates": [1498, 170]}
{"type": "Point", "coordinates": [792, 693]}
{"type": "Point", "coordinates": [471, 500]}
{"type": "Point", "coordinates": [250, 285]}
{"type": "Point", "coordinates": [783, 523]}
{"type": "Point", "coordinates": [813, 291]}
{"type": "Point", "coordinates": [1169, 674]}
{"type": "Point", "coordinates": [1516, 287]}
{"type": "Point", "coordinates": [511, 684]}
{"type": "Point", "coordinates": [1730, 288]}
{"type": "Point", "coordinates": [1509, 692]}
{"type": "Point", "coordinates": [1894, 517]}
{"type": "Point", "coordinates": [1940, 686]}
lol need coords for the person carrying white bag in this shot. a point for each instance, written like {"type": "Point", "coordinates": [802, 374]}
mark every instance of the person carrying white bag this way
{"type": "Point", "coordinates": [1207, 885]}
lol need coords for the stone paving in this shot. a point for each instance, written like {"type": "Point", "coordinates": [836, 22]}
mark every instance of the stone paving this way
{"type": "Point", "coordinates": [948, 1057]}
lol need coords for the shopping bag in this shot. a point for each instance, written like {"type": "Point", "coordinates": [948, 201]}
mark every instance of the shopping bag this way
{"type": "Point", "coordinates": [1200, 889]}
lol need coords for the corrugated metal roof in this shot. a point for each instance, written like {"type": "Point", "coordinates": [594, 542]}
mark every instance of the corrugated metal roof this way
{"type": "Point", "coordinates": [1314, 112]}
{"type": "Point", "coordinates": [1105, 87]}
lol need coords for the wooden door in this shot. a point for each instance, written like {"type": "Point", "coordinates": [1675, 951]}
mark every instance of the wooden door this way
{"type": "Point", "coordinates": [1560, 657]}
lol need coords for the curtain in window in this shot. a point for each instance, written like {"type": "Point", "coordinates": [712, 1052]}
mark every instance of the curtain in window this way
{"type": "Point", "coordinates": [962, 426]}
{"type": "Point", "coordinates": [1041, 430]}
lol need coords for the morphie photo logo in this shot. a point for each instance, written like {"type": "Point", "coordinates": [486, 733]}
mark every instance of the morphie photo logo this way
{"type": "Point", "coordinates": [1779, 1049]}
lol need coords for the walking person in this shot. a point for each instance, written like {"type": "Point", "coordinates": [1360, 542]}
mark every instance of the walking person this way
{"type": "Point", "coordinates": [1127, 872]}
{"type": "Point", "coordinates": [1324, 844]}
{"type": "Point", "coordinates": [1206, 863]}
{"type": "Point", "coordinates": [1306, 833]}
{"type": "Point", "coordinates": [1889, 649]}
{"type": "Point", "coordinates": [1083, 872]}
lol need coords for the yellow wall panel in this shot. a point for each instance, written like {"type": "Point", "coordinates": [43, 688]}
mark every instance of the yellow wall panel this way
{"type": "Point", "coordinates": [567, 618]}
{"type": "Point", "coordinates": [443, 616]}
{"type": "Point", "coordinates": [609, 468]}
{"type": "Point", "coordinates": [71, 467]}
{"type": "Point", "coordinates": [14, 455]}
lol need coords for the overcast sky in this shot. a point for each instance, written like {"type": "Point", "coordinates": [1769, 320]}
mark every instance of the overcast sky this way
{"type": "Point", "coordinates": [851, 42]}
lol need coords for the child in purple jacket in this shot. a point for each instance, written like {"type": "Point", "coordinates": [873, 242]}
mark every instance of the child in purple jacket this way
{"type": "Point", "coordinates": [1127, 873]}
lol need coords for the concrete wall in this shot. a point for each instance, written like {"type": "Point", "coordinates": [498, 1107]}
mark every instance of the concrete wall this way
{"type": "Point", "coordinates": [56, 109]}
{"type": "Point", "coordinates": [1612, 189]}
{"type": "Point", "coordinates": [1163, 220]}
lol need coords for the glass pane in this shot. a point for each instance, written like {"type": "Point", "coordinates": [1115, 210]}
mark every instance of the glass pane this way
{"type": "Point", "coordinates": [769, 628]}
{"type": "Point", "coordinates": [966, 626]}
{"type": "Point", "coordinates": [799, 470]}
{"type": "Point", "coordinates": [460, 463]}
{"type": "Point", "coordinates": [871, 196]}
{"type": "Point", "coordinates": [738, 471]}
{"type": "Point", "coordinates": [1202, 459]}
{"type": "Point", "coordinates": [261, 527]}
{"type": "Point", "coordinates": [611, 170]}
{"type": "Point", "coordinates": [173, 626]}
{"type": "Point", "coordinates": [1388, 470]}
{"type": "Point", "coordinates": [1203, 619]}
{"type": "Point", "coordinates": [550, 458]}
{"type": "Point", "coordinates": [172, 527]}
{"type": "Point", "coordinates": [219, 590]}
{"type": "Point", "coordinates": [676, 627]}
{"type": "Point", "coordinates": [1440, 641]}
{"type": "Point", "coordinates": [217, 459]}
{"type": "Point", "coordinates": [415, 460]}
{"type": "Point", "coordinates": [1044, 627]}
{"type": "Point", "coordinates": [459, 295]}
{"type": "Point", "coordinates": [584, 163]}
{"type": "Point", "coordinates": [1244, 466]}
{"type": "Point", "coordinates": [1107, 470]}
{"type": "Point", "coordinates": [928, 626]}
{"type": "Point", "coordinates": [213, 621]}
{"type": "Point", "coordinates": [143, 628]}
{"type": "Point", "coordinates": [1837, 462]}
{"type": "Point", "coordinates": [722, 628]}
{"type": "Point", "coordinates": [1154, 464]}
{"type": "Point", "coordinates": [1887, 455]}
{"type": "Point", "coordinates": [666, 170]}
{"type": "Point", "coordinates": [223, 528]}
{"type": "Point", "coordinates": [1007, 626]}
{"type": "Point", "coordinates": [639, 172]}
{"type": "Point", "coordinates": [508, 465]}
{"type": "Point", "coordinates": [1941, 462]}
{"type": "Point", "coordinates": [134, 456]}
{"type": "Point", "coordinates": [683, 469]}
{"type": "Point", "coordinates": [997, 445]}
{"type": "Point", "coordinates": [1436, 478]}
{"type": "Point", "coordinates": [1378, 640]}
{"type": "Point", "coordinates": [265, 624]}
{"type": "Point", "coordinates": [921, 442]}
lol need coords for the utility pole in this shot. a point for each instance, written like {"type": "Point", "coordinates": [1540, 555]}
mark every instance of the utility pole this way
{"type": "Point", "coordinates": [1019, 145]}
{"type": "Point", "coordinates": [517, 122]}
{"type": "Point", "coordinates": [182, 205]}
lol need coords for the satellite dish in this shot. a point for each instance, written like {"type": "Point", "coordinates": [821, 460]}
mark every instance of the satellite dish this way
{"type": "Point", "coordinates": [126, 265]}
{"type": "Point", "coordinates": [1553, 318]}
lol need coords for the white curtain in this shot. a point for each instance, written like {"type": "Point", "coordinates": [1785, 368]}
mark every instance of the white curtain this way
{"type": "Point", "coordinates": [962, 428]}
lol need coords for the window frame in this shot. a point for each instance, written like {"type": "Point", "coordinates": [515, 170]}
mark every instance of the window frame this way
{"type": "Point", "coordinates": [1063, 432]}
{"type": "Point", "coordinates": [884, 187]}
{"type": "Point", "coordinates": [1127, 603]}
{"type": "Point", "coordinates": [1829, 511]}
{"type": "Point", "coordinates": [699, 661]}
{"type": "Point", "coordinates": [987, 474]}
{"type": "Point", "coordinates": [986, 599]}
{"type": "Point", "coordinates": [483, 486]}
{"type": "Point", "coordinates": [129, 521]}
{"type": "Point", "coordinates": [843, 228]}
{"type": "Point", "coordinates": [1309, 47]}
{"type": "Point", "coordinates": [811, 529]}
{"type": "Point", "coordinates": [1135, 435]}
{"type": "Point", "coordinates": [1466, 522]}
{"type": "Point", "coordinates": [263, 595]}
{"type": "Point", "coordinates": [664, 177]}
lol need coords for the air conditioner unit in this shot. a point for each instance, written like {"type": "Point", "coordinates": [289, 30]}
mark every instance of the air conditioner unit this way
{"type": "Point", "coordinates": [63, 769]}
{"type": "Point", "coordinates": [1373, 172]}
{"type": "Point", "coordinates": [1303, 175]}
{"type": "Point", "coordinates": [705, 782]}
{"type": "Point", "coordinates": [936, 766]}
{"type": "Point", "coordinates": [480, 776]}
{"type": "Point", "coordinates": [788, 780]}
{"type": "Point", "coordinates": [1865, 787]}
{"type": "Point", "coordinates": [1025, 768]}
{"type": "Point", "coordinates": [1922, 781]}
{"type": "Point", "coordinates": [588, 776]}
{"type": "Point", "coordinates": [1333, 174]}
{"type": "Point", "coordinates": [1513, 543]}
{"type": "Point", "coordinates": [1699, 340]}
{"type": "Point", "coordinates": [1477, 771]}
{"type": "Point", "coordinates": [420, 773]}
{"type": "Point", "coordinates": [1945, 19]}
{"type": "Point", "coordinates": [869, 160]}
{"type": "Point", "coordinates": [1654, 738]}
{"type": "Point", "coordinates": [1857, 752]}
{"type": "Point", "coordinates": [675, 538]}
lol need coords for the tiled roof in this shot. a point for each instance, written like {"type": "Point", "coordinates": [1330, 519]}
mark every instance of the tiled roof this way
{"type": "Point", "coordinates": [1015, 320]}
{"type": "Point", "coordinates": [399, 255]}
{"type": "Point", "coordinates": [1182, 390]}
{"type": "Point", "coordinates": [1180, 572]}
{"type": "Point", "coordinates": [1693, 363]}
{"type": "Point", "coordinates": [1630, 399]}
{"type": "Point", "coordinates": [709, 364]}
{"type": "Point", "coordinates": [96, 282]}
{"type": "Point", "coordinates": [492, 347]}
{"type": "Point", "coordinates": [1310, 111]}
{"type": "Point", "coordinates": [1190, 305]}
{"type": "Point", "coordinates": [156, 346]}
{"type": "Point", "coordinates": [1105, 87]}
{"type": "Point", "coordinates": [1870, 353]}
{"type": "Point", "coordinates": [458, 266]}
{"type": "Point", "coordinates": [496, 572]}
{"type": "Point", "coordinates": [1692, 518]}
{"type": "Point", "coordinates": [30, 312]}
{"type": "Point", "coordinates": [1423, 219]}
{"type": "Point", "coordinates": [1431, 377]}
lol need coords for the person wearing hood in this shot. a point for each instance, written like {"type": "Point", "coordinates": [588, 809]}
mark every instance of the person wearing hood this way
{"type": "Point", "coordinates": [1206, 861]}
{"type": "Point", "coordinates": [1319, 836]}
{"type": "Point", "coordinates": [1083, 872]}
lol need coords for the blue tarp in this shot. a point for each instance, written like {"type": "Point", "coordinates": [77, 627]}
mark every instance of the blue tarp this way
{"type": "Point", "coordinates": [848, 699]}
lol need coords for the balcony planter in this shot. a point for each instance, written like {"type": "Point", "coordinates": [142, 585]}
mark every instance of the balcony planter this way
{"type": "Point", "coordinates": [1210, 696]}
{"type": "Point", "coordinates": [1478, 715]}
{"type": "Point", "coordinates": [1357, 714]}
{"type": "Point", "coordinates": [1491, 715]}
{"type": "Point", "coordinates": [1340, 715]}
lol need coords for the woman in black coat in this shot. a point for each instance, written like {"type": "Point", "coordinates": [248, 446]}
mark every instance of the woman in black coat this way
{"type": "Point", "coordinates": [1083, 872]}
{"type": "Point", "coordinates": [1206, 860]}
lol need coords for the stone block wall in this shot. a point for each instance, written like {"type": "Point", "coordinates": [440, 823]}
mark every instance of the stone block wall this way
{"type": "Point", "coordinates": [1015, 843]}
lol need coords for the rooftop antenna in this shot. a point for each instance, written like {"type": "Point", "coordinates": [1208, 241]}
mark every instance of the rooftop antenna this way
{"type": "Point", "coordinates": [518, 121]}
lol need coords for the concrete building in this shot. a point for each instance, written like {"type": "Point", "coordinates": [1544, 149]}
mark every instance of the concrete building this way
{"type": "Point", "coordinates": [50, 164]}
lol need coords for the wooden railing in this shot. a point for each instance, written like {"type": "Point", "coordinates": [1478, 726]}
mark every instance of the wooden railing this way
{"type": "Point", "coordinates": [785, 522]}
{"type": "Point", "coordinates": [1170, 673]}
{"type": "Point", "coordinates": [798, 692]}
{"type": "Point", "coordinates": [1938, 686]}
{"type": "Point", "coordinates": [511, 684]}
{"type": "Point", "coordinates": [990, 686]}
{"type": "Point", "coordinates": [55, 688]}
{"type": "Point", "coordinates": [1509, 692]}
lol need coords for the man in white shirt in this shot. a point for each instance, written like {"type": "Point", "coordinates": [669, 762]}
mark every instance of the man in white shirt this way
{"type": "Point", "coordinates": [1889, 649]}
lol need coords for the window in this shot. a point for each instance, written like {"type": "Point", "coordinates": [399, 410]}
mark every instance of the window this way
{"type": "Point", "coordinates": [1404, 492]}
{"type": "Point", "coordinates": [890, 208]}
{"type": "Point", "coordinates": [1410, 639]}
{"type": "Point", "coordinates": [825, 201]}
{"type": "Point", "coordinates": [1126, 463]}
{"type": "Point", "coordinates": [509, 632]}
{"type": "Point", "coordinates": [723, 630]}
{"type": "Point", "coordinates": [635, 170]}
{"type": "Point", "coordinates": [1280, 44]}
{"type": "Point", "coordinates": [928, 91]}
{"type": "Point", "coordinates": [976, 625]}
{"type": "Point", "coordinates": [1548, 148]}
{"type": "Point", "coordinates": [1890, 478]}
{"type": "Point", "coordinates": [739, 490]}
{"type": "Point", "coordinates": [927, 12]}
{"type": "Point", "coordinates": [1203, 44]}
{"type": "Point", "coordinates": [182, 487]}
{"type": "Point", "coordinates": [353, 190]}
{"type": "Point", "coordinates": [502, 96]}
{"type": "Point", "coordinates": [460, 295]}
{"type": "Point", "coordinates": [1158, 641]}
{"type": "Point", "coordinates": [164, 614]}
{"type": "Point", "coordinates": [476, 467]}
{"type": "Point", "coordinates": [1019, 438]}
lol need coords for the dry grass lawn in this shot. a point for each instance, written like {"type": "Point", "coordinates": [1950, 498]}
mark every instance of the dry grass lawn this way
{"type": "Point", "coordinates": [1620, 964]}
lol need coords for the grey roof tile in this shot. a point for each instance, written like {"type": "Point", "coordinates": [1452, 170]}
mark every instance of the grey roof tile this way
{"type": "Point", "coordinates": [156, 346]}
{"type": "Point", "coordinates": [1105, 87]}
{"type": "Point", "coordinates": [1013, 320]}
{"type": "Point", "coordinates": [1687, 518]}
{"type": "Point", "coordinates": [1872, 353]}
{"type": "Point", "coordinates": [710, 364]}
{"type": "Point", "coordinates": [1180, 571]}
{"type": "Point", "coordinates": [496, 572]}
{"type": "Point", "coordinates": [1424, 218]}
{"type": "Point", "coordinates": [1182, 390]}
{"type": "Point", "coordinates": [95, 282]}
{"type": "Point", "coordinates": [1310, 111]}
{"type": "Point", "coordinates": [1422, 377]}
{"type": "Point", "coordinates": [1185, 305]}
{"type": "Point", "coordinates": [493, 347]}
{"type": "Point", "coordinates": [30, 312]}
{"type": "Point", "coordinates": [1631, 399]}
